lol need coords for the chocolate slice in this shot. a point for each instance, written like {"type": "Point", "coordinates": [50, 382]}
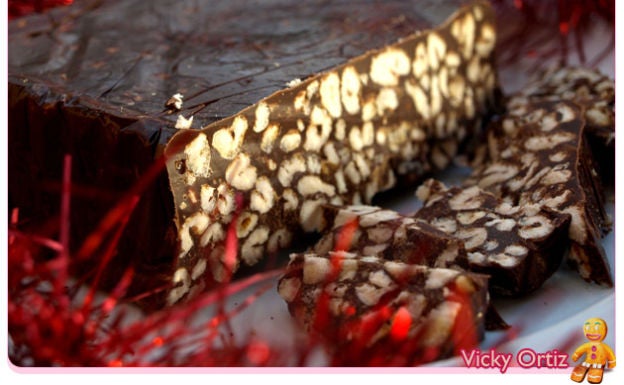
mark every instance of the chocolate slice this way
{"type": "Point", "coordinates": [373, 231]}
{"type": "Point", "coordinates": [377, 312]}
{"type": "Point", "coordinates": [519, 247]}
{"type": "Point", "coordinates": [540, 155]}
{"type": "Point", "coordinates": [386, 234]}
{"type": "Point", "coordinates": [338, 137]}
{"type": "Point", "coordinates": [591, 90]}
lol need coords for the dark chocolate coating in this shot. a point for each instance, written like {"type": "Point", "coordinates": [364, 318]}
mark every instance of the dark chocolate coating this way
{"type": "Point", "coordinates": [131, 56]}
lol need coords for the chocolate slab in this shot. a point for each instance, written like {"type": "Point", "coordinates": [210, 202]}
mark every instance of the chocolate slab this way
{"type": "Point", "coordinates": [595, 93]}
{"type": "Point", "coordinates": [221, 57]}
{"type": "Point", "coordinates": [518, 247]}
{"type": "Point", "coordinates": [373, 231]}
{"type": "Point", "coordinates": [391, 236]}
{"type": "Point", "coordinates": [371, 311]}
{"type": "Point", "coordinates": [338, 137]}
{"type": "Point", "coordinates": [540, 155]}
{"type": "Point", "coordinates": [93, 80]}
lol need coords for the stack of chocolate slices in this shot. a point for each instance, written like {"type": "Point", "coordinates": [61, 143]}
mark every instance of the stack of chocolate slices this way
{"type": "Point", "coordinates": [534, 198]}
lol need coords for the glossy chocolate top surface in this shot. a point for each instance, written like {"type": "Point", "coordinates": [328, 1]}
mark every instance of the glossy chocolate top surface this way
{"type": "Point", "coordinates": [127, 58]}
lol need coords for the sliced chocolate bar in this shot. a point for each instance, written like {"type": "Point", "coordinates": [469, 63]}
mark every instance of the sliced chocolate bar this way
{"type": "Point", "coordinates": [338, 137]}
{"type": "Point", "coordinates": [590, 89]}
{"type": "Point", "coordinates": [376, 312]}
{"type": "Point", "coordinates": [519, 247]}
{"type": "Point", "coordinates": [373, 231]}
{"type": "Point", "coordinates": [540, 155]}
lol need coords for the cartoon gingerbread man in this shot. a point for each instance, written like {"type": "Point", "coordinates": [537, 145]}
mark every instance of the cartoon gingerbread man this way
{"type": "Point", "coordinates": [598, 354]}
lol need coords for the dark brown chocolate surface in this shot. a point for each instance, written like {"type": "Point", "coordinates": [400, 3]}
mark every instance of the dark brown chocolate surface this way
{"type": "Point", "coordinates": [129, 57]}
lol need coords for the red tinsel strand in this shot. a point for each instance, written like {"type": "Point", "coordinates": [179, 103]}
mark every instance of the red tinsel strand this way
{"type": "Point", "coordinates": [64, 223]}
{"type": "Point", "coordinates": [173, 328]}
{"type": "Point", "coordinates": [109, 251]}
{"type": "Point", "coordinates": [541, 29]}
{"type": "Point", "coordinates": [116, 215]}
{"type": "Point", "coordinates": [19, 8]}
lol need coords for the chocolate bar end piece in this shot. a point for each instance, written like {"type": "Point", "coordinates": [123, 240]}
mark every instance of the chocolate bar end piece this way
{"type": "Point", "coordinates": [387, 313]}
